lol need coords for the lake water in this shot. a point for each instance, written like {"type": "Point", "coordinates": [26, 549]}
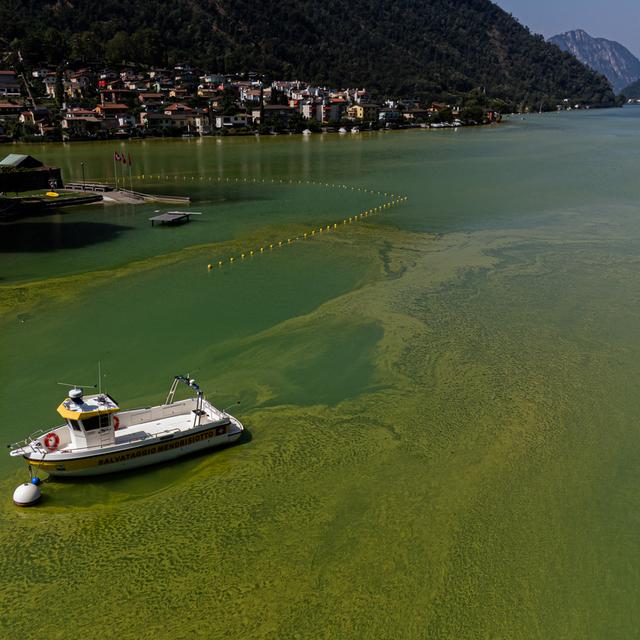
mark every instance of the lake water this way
{"type": "Point", "coordinates": [442, 397]}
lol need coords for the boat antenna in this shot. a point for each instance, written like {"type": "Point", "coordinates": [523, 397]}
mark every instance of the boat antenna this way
{"type": "Point", "coordinates": [99, 378]}
{"type": "Point", "coordinates": [79, 386]}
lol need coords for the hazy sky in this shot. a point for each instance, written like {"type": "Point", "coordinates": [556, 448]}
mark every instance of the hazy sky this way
{"type": "Point", "coordinates": [616, 20]}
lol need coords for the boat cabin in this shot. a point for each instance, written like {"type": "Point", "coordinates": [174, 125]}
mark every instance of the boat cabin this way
{"type": "Point", "coordinates": [90, 420]}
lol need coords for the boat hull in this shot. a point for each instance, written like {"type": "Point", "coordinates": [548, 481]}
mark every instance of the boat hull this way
{"type": "Point", "coordinates": [157, 451]}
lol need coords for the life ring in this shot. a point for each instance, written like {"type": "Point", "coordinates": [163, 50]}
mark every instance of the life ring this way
{"type": "Point", "coordinates": [116, 423]}
{"type": "Point", "coordinates": [51, 441]}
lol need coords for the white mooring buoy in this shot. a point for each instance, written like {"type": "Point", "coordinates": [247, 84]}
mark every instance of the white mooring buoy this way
{"type": "Point", "coordinates": [26, 495]}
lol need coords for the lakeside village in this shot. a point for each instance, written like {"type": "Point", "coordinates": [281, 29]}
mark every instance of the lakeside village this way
{"type": "Point", "coordinates": [84, 104]}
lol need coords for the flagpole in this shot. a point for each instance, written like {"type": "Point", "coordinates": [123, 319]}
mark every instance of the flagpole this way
{"type": "Point", "coordinates": [130, 176]}
{"type": "Point", "coordinates": [115, 170]}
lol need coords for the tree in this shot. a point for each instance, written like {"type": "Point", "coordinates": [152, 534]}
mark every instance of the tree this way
{"type": "Point", "coordinates": [59, 87]}
{"type": "Point", "coordinates": [85, 46]}
{"type": "Point", "coordinates": [118, 49]}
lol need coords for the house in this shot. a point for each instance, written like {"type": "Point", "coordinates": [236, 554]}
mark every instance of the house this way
{"type": "Point", "coordinates": [251, 96]}
{"type": "Point", "coordinates": [415, 114]}
{"type": "Point", "coordinates": [329, 111]}
{"type": "Point", "coordinates": [111, 109]}
{"type": "Point", "coordinates": [80, 123]}
{"type": "Point", "coordinates": [273, 113]}
{"type": "Point", "coordinates": [10, 110]}
{"type": "Point", "coordinates": [116, 96]}
{"type": "Point", "coordinates": [226, 122]}
{"type": "Point", "coordinates": [20, 172]}
{"type": "Point", "coordinates": [150, 99]}
{"type": "Point", "coordinates": [156, 120]}
{"type": "Point", "coordinates": [38, 118]}
{"type": "Point", "coordinates": [389, 115]}
{"type": "Point", "coordinates": [77, 125]}
{"type": "Point", "coordinates": [177, 108]}
{"type": "Point", "coordinates": [50, 84]}
{"type": "Point", "coordinates": [126, 121]}
{"type": "Point", "coordinates": [206, 92]}
{"type": "Point", "coordinates": [79, 83]}
{"type": "Point", "coordinates": [9, 84]}
{"type": "Point", "coordinates": [308, 109]}
{"type": "Point", "coordinates": [179, 92]}
{"type": "Point", "coordinates": [436, 107]}
{"type": "Point", "coordinates": [212, 78]}
{"type": "Point", "coordinates": [35, 115]}
{"type": "Point", "coordinates": [363, 112]}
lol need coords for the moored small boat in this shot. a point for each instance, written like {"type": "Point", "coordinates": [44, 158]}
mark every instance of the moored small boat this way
{"type": "Point", "coordinates": [99, 438]}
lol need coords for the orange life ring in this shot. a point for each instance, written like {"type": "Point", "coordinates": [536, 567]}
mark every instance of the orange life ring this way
{"type": "Point", "coordinates": [51, 441]}
{"type": "Point", "coordinates": [116, 422]}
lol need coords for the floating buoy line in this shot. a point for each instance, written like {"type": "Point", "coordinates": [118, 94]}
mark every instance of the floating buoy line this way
{"type": "Point", "coordinates": [335, 225]}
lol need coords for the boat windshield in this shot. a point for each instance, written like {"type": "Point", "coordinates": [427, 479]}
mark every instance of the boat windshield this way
{"type": "Point", "coordinates": [96, 422]}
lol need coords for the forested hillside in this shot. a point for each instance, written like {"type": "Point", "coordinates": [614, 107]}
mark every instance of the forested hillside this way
{"type": "Point", "coordinates": [402, 47]}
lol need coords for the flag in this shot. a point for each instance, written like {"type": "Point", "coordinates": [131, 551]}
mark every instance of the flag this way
{"type": "Point", "coordinates": [130, 163]}
{"type": "Point", "coordinates": [124, 158]}
{"type": "Point", "coordinates": [116, 156]}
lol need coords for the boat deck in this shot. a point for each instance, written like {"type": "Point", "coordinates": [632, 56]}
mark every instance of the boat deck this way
{"type": "Point", "coordinates": [154, 428]}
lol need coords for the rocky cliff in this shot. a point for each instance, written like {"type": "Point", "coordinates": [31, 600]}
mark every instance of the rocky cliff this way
{"type": "Point", "coordinates": [607, 57]}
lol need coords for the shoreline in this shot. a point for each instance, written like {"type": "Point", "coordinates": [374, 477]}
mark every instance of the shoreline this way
{"type": "Point", "coordinates": [255, 133]}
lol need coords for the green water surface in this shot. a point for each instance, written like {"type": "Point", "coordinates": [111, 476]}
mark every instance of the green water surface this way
{"type": "Point", "coordinates": [441, 400]}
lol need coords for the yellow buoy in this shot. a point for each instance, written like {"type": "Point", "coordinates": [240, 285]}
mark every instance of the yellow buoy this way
{"type": "Point", "coordinates": [209, 266]}
{"type": "Point", "coordinates": [52, 194]}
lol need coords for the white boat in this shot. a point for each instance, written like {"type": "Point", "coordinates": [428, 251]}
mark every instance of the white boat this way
{"type": "Point", "coordinates": [342, 130]}
{"type": "Point", "coordinates": [355, 130]}
{"type": "Point", "coordinates": [306, 132]}
{"type": "Point", "coordinates": [99, 438]}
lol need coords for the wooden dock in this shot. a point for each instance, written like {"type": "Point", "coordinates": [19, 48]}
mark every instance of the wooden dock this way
{"type": "Point", "coordinates": [171, 218]}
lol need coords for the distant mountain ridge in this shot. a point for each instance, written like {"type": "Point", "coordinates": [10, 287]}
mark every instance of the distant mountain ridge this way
{"type": "Point", "coordinates": [632, 91]}
{"type": "Point", "coordinates": [436, 49]}
{"type": "Point", "coordinates": [610, 58]}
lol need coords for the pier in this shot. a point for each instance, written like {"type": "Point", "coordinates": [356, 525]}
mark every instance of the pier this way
{"type": "Point", "coordinates": [124, 196]}
{"type": "Point", "coordinates": [171, 218]}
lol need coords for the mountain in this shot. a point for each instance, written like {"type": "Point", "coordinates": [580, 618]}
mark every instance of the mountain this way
{"type": "Point", "coordinates": [632, 91]}
{"type": "Point", "coordinates": [607, 57]}
{"type": "Point", "coordinates": [424, 48]}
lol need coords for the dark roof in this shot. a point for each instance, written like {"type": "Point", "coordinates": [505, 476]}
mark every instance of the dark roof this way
{"type": "Point", "coordinates": [19, 160]}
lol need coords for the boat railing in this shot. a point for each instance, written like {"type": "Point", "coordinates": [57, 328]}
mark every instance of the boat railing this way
{"type": "Point", "coordinates": [28, 441]}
